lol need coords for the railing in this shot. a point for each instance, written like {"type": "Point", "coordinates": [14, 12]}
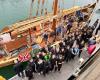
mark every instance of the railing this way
{"type": "Point", "coordinates": [86, 65]}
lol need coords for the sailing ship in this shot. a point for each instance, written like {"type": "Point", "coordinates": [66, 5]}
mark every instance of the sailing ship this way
{"type": "Point", "coordinates": [22, 34]}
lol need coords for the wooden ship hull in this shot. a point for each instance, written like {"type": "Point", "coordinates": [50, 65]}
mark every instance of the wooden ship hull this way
{"type": "Point", "coordinates": [25, 28]}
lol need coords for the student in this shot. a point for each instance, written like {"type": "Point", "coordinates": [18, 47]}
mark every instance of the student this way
{"type": "Point", "coordinates": [44, 68]}
{"type": "Point", "coordinates": [69, 26]}
{"type": "Point", "coordinates": [18, 68]}
{"type": "Point", "coordinates": [40, 66]}
{"type": "Point", "coordinates": [52, 61]}
{"type": "Point", "coordinates": [29, 72]}
{"type": "Point", "coordinates": [67, 54]}
{"type": "Point", "coordinates": [33, 65]}
{"type": "Point", "coordinates": [59, 63]}
{"type": "Point", "coordinates": [81, 46]}
{"type": "Point", "coordinates": [75, 51]}
{"type": "Point", "coordinates": [45, 35]}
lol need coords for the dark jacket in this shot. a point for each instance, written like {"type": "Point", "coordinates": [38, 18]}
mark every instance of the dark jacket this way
{"type": "Point", "coordinates": [33, 65]}
{"type": "Point", "coordinates": [18, 67]}
{"type": "Point", "coordinates": [28, 71]}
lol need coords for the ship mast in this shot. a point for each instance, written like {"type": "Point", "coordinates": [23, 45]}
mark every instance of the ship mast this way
{"type": "Point", "coordinates": [31, 7]}
{"type": "Point", "coordinates": [30, 16]}
{"type": "Point", "coordinates": [55, 13]}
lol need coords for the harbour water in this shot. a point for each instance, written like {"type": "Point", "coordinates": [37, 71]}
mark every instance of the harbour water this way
{"type": "Point", "coordinates": [12, 11]}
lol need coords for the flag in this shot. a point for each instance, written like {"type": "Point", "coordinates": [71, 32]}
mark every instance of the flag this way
{"type": "Point", "coordinates": [23, 58]}
{"type": "Point", "coordinates": [25, 55]}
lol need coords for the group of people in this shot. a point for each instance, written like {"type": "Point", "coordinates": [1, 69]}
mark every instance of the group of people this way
{"type": "Point", "coordinates": [42, 63]}
{"type": "Point", "coordinates": [50, 58]}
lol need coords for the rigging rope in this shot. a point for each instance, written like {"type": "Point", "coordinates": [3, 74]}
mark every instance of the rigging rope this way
{"type": "Point", "coordinates": [43, 1]}
{"type": "Point", "coordinates": [46, 10]}
{"type": "Point", "coordinates": [53, 6]}
{"type": "Point", "coordinates": [38, 7]}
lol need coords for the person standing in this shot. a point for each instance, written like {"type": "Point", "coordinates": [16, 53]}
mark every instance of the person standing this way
{"type": "Point", "coordinates": [52, 61]}
{"type": "Point", "coordinates": [45, 67]}
{"type": "Point", "coordinates": [59, 63]}
{"type": "Point", "coordinates": [18, 68]}
{"type": "Point", "coordinates": [29, 72]}
{"type": "Point", "coordinates": [33, 65]}
{"type": "Point", "coordinates": [69, 26]}
{"type": "Point", "coordinates": [40, 66]}
{"type": "Point", "coordinates": [67, 54]}
{"type": "Point", "coordinates": [56, 66]}
{"type": "Point", "coordinates": [75, 51]}
{"type": "Point", "coordinates": [46, 36]}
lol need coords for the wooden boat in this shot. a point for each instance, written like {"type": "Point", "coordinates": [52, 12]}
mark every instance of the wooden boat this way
{"type": "Point", "coordinates": [25, 28]}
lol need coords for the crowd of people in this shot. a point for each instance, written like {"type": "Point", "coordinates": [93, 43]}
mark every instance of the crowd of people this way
{"type": "Point", "coordinates": [50, 58]}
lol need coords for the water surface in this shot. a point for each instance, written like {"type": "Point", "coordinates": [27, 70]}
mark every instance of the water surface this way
{"type": "Point", "coordinates": [12, 11]}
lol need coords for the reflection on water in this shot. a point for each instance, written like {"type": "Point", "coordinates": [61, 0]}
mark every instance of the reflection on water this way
{"type": "Point", "coordinates": [12, 11]}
